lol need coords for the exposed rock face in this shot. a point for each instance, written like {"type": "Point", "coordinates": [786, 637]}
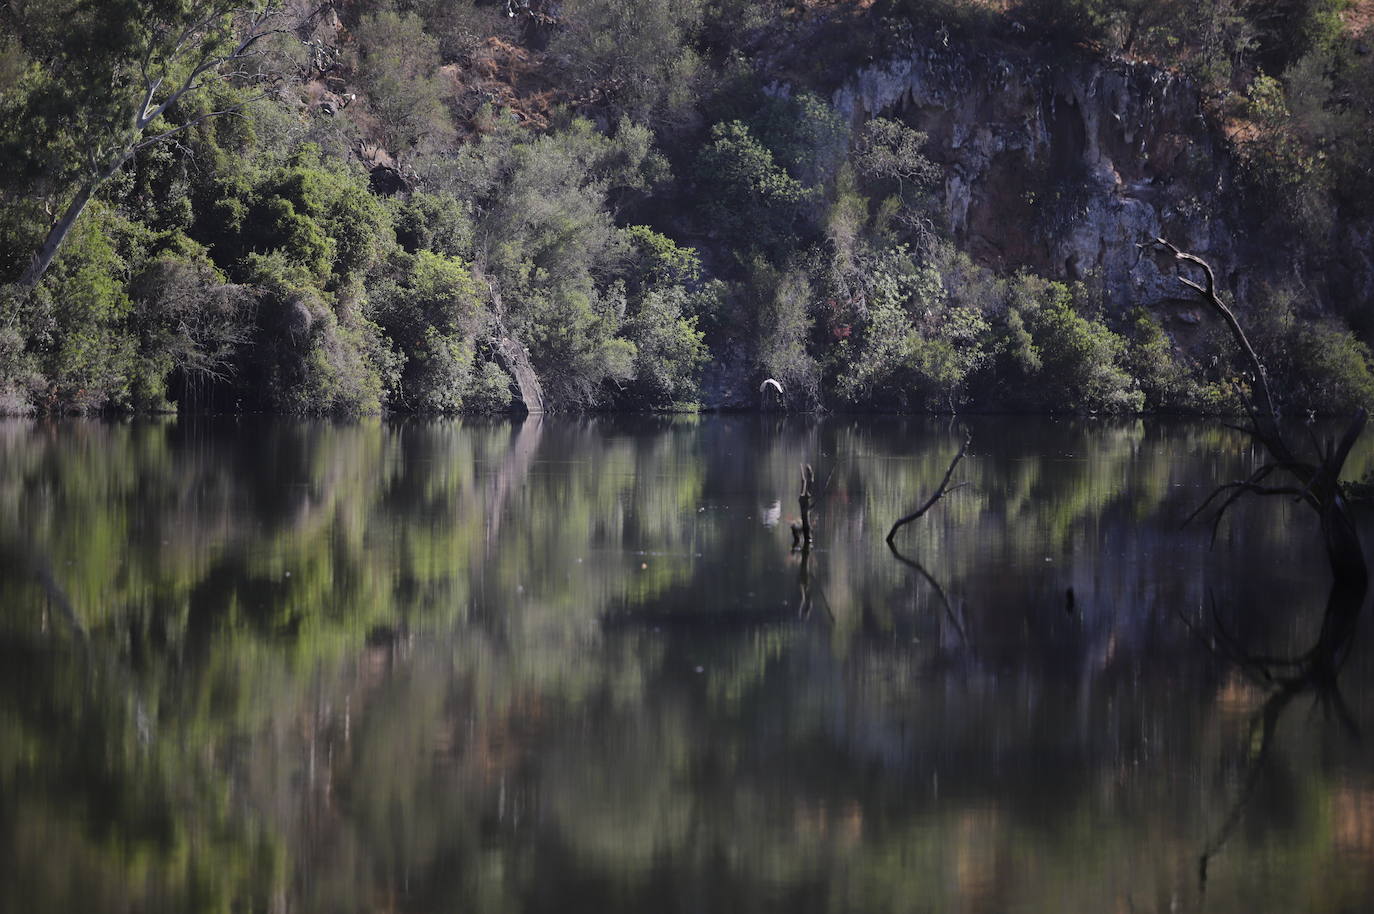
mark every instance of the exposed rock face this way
{"type": "Point", "coordinates": [1064, 166]}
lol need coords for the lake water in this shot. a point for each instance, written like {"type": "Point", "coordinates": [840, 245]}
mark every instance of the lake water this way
{"type": "Point", "coordinates": [572, 665]}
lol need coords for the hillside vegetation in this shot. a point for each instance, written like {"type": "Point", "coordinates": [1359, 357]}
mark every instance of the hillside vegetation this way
{"type": "Point", "coordinates": [656, 199]}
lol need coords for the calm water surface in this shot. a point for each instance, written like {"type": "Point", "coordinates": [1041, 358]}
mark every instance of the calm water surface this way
{"type": "Point", "coordinates": [572, 665]}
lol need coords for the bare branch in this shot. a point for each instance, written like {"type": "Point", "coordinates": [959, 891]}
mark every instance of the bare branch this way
{"type": "Point", "coordinates": [1254, 478]}
{"type": "Point", "coordinates": [1264, 412]}
{"type": "Point", "coordinates": [940, 492]}
{"type": "Point", "coordinates": [1239, 489]}
{"type": "Point", "coordinates": [211, 62]}
{"type": "Point", "coordinates": [801, 534]}
{"type": "Point", "coordinates": [1317, 484]}
{"type": "Point", "coordinates": [153, 140]}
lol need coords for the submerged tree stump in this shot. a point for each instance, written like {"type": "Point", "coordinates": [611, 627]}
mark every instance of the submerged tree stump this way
{"type": "Point", "coordinates": [801, 533]}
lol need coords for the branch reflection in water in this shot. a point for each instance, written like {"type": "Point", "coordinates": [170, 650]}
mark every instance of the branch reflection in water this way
{"type": "Point", "coordinates": [572, 664]}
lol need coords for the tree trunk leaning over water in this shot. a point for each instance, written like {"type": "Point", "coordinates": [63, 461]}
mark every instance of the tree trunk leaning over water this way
{"type": "Point", "coordinates": [512, 355]}
{"type": "Point", "coordinates": [198, 40]}
{"type": "Point", "coordinates": [1315, 481]}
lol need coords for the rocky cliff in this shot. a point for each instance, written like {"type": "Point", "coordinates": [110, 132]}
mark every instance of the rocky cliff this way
{"type": "Point", "coordinates": [1062, 164]}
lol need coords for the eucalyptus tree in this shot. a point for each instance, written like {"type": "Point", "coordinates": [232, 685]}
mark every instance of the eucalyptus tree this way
{"type": "Point", "coordinates": [97, 83]}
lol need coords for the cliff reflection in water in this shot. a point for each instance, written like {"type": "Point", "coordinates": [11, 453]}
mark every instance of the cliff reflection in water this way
{"type": "Point", "coordinates": [559, 665]}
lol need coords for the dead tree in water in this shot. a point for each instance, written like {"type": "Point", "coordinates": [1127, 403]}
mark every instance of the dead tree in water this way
{"type": "Point", "coordinates": [1314, 672]}
{"type": "Point", "coordinates": [940, 492]}
{"type": "Point", "coordinates": [801, 533]}
{"type": "Point", "coordinates": [943, 489]}
{"type": "Point", "coordinates": [1313, 480]}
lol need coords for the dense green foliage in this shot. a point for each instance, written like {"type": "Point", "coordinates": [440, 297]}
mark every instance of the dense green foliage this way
{"type": "Point", "coordinates": [372, 218]}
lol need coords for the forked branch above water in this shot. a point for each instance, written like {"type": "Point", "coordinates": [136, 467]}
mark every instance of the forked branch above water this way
{"type": "Point", "coordinates": [940, 492]}
{"type": "Point", "coordinates": [1261, 407]}
{"type": "Point", "coordinates": [1317, 480]}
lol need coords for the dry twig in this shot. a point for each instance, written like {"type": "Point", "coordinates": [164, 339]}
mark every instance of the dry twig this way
{"type": "Point", "coordinates": [940, 492]}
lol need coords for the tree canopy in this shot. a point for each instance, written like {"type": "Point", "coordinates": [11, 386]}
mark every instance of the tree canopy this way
{"type": "Point", "coordinates": [261, 204]}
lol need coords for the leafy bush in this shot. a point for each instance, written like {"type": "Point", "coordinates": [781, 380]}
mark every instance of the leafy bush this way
{"type": "Point", "coordinates": [79, 312]}
{"type": "Point", "coordinates": [431, 312]}
{"type": "Point", "coordinates": [656, 260]}
{"type": "Point", "coordinates": [489, 391]}
{"type": "Point", "coordinates": [1287, 177]}
{"type": "Point", "coordinates": [574, 342]}
{"type": "Point", "coordinates": [1335, 371]}
{"type": "Point", "coordinates": [191, 327]}
{"type": "Point", "coordinates": [1152, 360]}
{"type": "Point", "coordinates": [1073, 363]}
{"type": "Point", "coordinates": [806, 136]}
{"type": "Point", "coordinates": [947, 349]}
{"type": "Point", "coordinates": [19, 377]}
{"type": "Point", "coordinates": [551, 248]}
{"type": "Point", "coordinates": [669, 349]}
{"type": "Point", "coordinates": [434, 222]}
{"type": "Point", "coordinates": [878, 362]}
{"type": "Point", "coordinates": [635, 54]}
{"type": "Point", "coordinates": [888, 156]}
{"type": "Point", "coordinates": [398, 64]}
{"type": "Point", "coordinates": [745, 196]}
{"type": "Point", "coordinates": [316, 213]}
{"type": "Point", "coordinates": [347, 370]}
{"type": "Point", "coordinates": [891, 151]}
{"type": "Point", "coordinates": [661, 319]}
{"type": "Point", "coordinates": [784, 325]}
{"type": "Point", "coordinates": [460, 25]}
{"type": "Point", "coordinates": [917, 345]}
{"type": "Point", "coordinates": [1314, 363]}
{"type": "Point", "coordinates": [306, 357]}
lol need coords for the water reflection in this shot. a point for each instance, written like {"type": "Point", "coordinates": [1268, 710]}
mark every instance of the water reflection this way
{"type": "Point", "coordinates": [574, 665]}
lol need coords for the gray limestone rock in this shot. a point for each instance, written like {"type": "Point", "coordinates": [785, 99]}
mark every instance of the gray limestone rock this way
{"type": "Point", "coordinates": [1063, 166]}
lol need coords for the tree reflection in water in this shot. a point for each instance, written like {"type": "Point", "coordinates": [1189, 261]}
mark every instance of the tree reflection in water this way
{"type": "Point", "coordinates": [565, 666]}
{"type": "Point", "coordinates": [1316, 672]}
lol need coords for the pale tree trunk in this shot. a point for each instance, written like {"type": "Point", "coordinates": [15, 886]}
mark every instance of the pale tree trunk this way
{"type": "Point", "coordinates": [63, 226]}
{"type": "Point", "coordinates": [206, 15]}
